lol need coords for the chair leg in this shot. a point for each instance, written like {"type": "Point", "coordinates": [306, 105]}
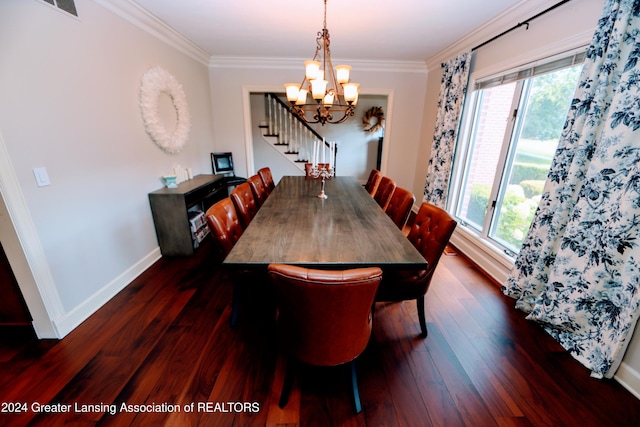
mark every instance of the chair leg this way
{"type": "Point", "coordinates": [421, 319]}
{"type": "Point", "coordinates": [287, 383]}
{"type": "Point", "coordinates": [354, 384]}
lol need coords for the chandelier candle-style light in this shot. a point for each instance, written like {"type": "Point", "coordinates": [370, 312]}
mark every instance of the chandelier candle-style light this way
{"type": "Point", "coordinates": [328, 87]}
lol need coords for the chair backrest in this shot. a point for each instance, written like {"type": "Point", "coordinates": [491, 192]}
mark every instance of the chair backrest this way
{"type": "Point", "coordinates": [267, 179]}
{"type": "Point", "coordinates": [400, 206]}
{"type": "Point", "coordinates": [224, 224]}
{"type": "Point", "coordinates": [384, 191]}
{"type": "Point", "coordinates": [430, 233]}
{"type": "Point", "coordinates": [372, 183]}
{"type": "Point", "coordinates": [257, 188]}
{"type": "Point", "coordinates": [307, 168]}
{"type": "Point", "coordinates": [244, 202]}
{"type": "Point", "coordinates": [324, 317]}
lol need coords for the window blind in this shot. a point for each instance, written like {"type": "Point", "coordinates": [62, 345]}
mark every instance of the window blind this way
{"type": "Point", "coordinates": [531, 71]}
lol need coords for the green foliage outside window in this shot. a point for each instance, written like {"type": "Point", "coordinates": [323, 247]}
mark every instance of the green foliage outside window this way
{"type": "Point", "coordinates": [548, 104]}
{"type": "Point", "coordinates": [529, 171]}
{"type": "Point", "coordinates": [518, 208]}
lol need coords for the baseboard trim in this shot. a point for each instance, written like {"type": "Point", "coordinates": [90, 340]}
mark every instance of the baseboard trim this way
{"type": "Point", "coordinates": [629, 378]}
{"type": "Point", "coordinates": [75, 317]}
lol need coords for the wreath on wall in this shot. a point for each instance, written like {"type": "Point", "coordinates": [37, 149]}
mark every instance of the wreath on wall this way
{"type": "Point", "coordinates": [377, 115]}
{"type": "Point", "coordinates": [154, 82]}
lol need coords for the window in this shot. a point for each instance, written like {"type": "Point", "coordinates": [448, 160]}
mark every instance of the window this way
{"type": "Point", "coordinates": [513, 123]}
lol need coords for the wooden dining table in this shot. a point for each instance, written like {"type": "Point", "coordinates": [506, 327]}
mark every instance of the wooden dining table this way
{"type": "Point", "coordinates": [348, 229]}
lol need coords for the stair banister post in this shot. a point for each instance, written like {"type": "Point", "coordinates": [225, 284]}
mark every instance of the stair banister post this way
{"type": "Point", "coordinates": [298, 132]}
{"type": "Point", "coordinates": [274, 131]}
{"type": "Point", "coordinates": [278, 120]}
{"type": "Point", "coordinates": [309, 144]}
{"type": "Point", "coordinates": [266, 110]}
{"type": "Point", "coordinates": [280, 130]}
{"type": "Point", "coordinates": [272, 126]}
{"type": "Point", "coordinates": [290, 141]}
{"type": "Point", "coordinates": [289, 125]}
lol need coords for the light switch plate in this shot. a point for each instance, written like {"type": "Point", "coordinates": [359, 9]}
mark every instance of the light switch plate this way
{"type": "Point", "coordinates": [42, 177]}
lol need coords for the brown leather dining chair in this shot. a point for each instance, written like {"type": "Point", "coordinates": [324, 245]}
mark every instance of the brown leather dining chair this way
{"type": "Point", "coordinates": [384, 191]}
{"type": "Point", "coordinates": [400, 205]}
{"type": "Point", "coordinates": [324, 317]}
{"type": "Point", "coordinates": [307, 168]}
{"type": "Point", "coordinates": [257, 188]}
{"type": "Point", "coordinates": [267, 179]}
{"type": "Point", "coordinates": [244, 202]}
{"type": "Point", "coordinates": [430, 233]}
{"type": "Point", "coordinates": [224, 225]}
{"type": "Point", "coordinates": [372, 183]}
{"type": "Point", "coordinates": [225, 228]}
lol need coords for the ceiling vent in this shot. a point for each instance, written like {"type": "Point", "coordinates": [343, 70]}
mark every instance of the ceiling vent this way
{"type": "Point", "coordinates": [66, 5]}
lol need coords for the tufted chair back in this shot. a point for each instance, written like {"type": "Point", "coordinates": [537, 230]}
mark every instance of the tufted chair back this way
{"type": "Point", "coordinates": [400, 205]}
{"type": "Point", "coordinates": [429, 233]}
{"type": "Point", "coordinates": [244, 202]}
{"type": "Point", "coordinates": [384, 191]}
{"type": "Point", "coordinates": [372, 183]}
{"type": "Point", "coordinates": [267, 180]}
{"type": "Point", "coordinates": [257, 188]}
{"type": "Point", "coordinates": [324, 317]}
{"type": "Point", "coordinates": [224, 224]}
{"type": "Point", "coordinates": [307, 168]}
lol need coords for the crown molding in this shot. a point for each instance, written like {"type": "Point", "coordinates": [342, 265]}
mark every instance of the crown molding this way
{"type": "Point", "coordinates": [522, 11]}
{"type": "Point", "coordinates": [295, 63]}
{"type": "Point", "coordinates": [147, 22]}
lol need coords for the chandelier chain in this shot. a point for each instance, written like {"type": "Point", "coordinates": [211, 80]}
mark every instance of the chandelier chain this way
{"type": "Point", "coordinates": [325, 15]}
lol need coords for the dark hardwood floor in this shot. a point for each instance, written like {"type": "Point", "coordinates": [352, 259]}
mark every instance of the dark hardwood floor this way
{"type": "Point", "coordinates": [166, 340]}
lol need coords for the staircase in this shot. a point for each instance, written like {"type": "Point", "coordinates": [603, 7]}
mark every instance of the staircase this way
{"type": "Point", "coordinates": [292, 137]}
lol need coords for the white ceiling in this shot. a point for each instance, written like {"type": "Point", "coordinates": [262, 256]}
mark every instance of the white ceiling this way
{"type": "Point", "coordinates": [399, 30]}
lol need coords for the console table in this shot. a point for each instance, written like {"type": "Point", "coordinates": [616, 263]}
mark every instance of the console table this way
{"type": "Point", "coordinates": [174, 208]}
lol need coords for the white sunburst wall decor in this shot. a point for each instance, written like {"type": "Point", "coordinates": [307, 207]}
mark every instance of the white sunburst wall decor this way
{"type": "Point", "coordinates": [154, 82]}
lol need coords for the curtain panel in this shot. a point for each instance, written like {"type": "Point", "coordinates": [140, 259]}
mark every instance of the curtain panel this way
{"type": "Point", "coordinates": [453, 88]}
{"type": "Point", "coordinates": [578, 272]}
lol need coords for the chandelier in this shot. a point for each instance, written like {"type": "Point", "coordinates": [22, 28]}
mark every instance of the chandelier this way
{"type": "Point", "coordinates": [334, 97]}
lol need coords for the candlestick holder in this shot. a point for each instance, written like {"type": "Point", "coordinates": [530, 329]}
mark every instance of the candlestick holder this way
{"type": "Point", "coordinates": [323, 172]}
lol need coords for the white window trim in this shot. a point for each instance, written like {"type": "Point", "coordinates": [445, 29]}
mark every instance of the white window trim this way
{"type": "Point", "coordinates": [492, 260]}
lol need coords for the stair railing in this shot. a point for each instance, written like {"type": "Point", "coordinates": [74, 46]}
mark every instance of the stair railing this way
{"type": "Point", "coordinates": [291, 131]}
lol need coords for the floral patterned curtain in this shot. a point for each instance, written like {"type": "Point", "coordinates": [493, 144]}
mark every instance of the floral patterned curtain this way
{"type": "Point", "coordinates": [452, 91]}
{"type": "Point", "coordinates": [578, 272]}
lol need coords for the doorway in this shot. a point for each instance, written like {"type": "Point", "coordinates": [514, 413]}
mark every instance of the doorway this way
{"type": "Point", "coordinates": [359, 149]}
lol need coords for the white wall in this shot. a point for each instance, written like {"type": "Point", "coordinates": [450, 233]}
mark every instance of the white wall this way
{"type": "Point", "coordinates": [404, 85]}
{"type": "Point", "coordinates": [357, 150]}
{"type": "Point", "coordinates": [70, 103]}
